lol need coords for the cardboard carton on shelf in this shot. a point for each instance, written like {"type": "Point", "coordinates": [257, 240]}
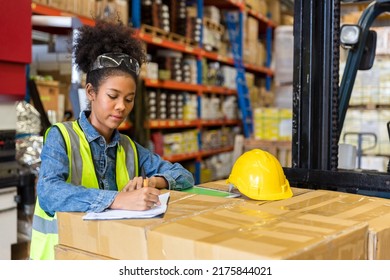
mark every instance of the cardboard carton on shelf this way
{"type": "Point", "coordinates": [126, 239]}
{"type": "Point", "coordinates": [249, 231]}
{"type": "Point", "coordinates": [332, 204]}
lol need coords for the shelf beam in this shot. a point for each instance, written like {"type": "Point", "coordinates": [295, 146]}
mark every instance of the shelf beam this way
{"type": "Point", "coordinates": [39, 9]}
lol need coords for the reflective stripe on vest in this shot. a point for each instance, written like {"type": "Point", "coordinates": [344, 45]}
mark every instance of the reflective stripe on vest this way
{"type": "Point", "coordinates": [81, 172]}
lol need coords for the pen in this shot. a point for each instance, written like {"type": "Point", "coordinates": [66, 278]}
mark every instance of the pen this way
{"type": "Point", "coordinates": [144, 178]}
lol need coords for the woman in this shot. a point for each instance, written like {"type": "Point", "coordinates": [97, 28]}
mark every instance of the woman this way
{"type": "Point", "coordinates": [87, 165]}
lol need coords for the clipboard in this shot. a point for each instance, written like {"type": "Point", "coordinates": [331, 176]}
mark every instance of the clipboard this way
{"type": "Point", "coordinates": [211, 192]}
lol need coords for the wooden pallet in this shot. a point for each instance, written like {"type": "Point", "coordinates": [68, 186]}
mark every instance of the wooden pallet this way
{"type": "Point", "coordinates": [173, 37]}
{"type": "Point", "coordinates": [214, 26]}
{"type": "Point", "coordinates": [154, 31]}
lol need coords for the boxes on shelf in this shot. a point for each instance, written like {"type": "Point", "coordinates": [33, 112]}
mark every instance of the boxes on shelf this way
{"type": "Point", "coordinates": [216, 167]}
{"type": "Point", "coordinates": [266, 123]}
{"type": "Point", "coordinates": [250, 231]}
{"type": "Point", "coordinates": [105, 9]}
{"type": "Point", "coordinates": [284, 96]}
{"type": "Point", "coordinates": [212, 34]}
{"type": "Point", "coordinates": [152, 71]}
{"type": "Point", "coordinates": [44, 2]}
{"type": "Point", "coordinates": [284, 58]}
{"type": "Point", "coordinates": [190, 106]}
{"type": "Point", "coordinates": [58, 4]}
{"type": "Point", "coordinates": [251, 31]}
{"type": "Point", "coordinates": [259, 6]}
{"type": "Point", "coordinates": [49, 93]}
{"type": "Point", "coordinates": [274, 10]}
{"type": "Point", "coordinates": [272, 123]}
{"type": "Point", "coordinates": [180, 143]}
{"type": "Point", "coordinates": [331, 204]}
{"type": "Point", "coordinates": [285, 124]}
{"type": "Point", "coordinates": [281, 149]}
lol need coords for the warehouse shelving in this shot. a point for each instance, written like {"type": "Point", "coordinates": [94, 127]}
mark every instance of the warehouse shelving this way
{"type": "Point", "coordinates": [183, 157]}
{"type": "Point", "coordinates": [166, 124]}
{"type": "Point", "coordinates": [152, 37]}
{"type": "Point", "coordinates": [174, 85]}
{"type": "Point", "coordinates": [50, 11]}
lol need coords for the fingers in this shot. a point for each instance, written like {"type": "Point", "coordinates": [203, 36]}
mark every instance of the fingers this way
{"type": "Point", "coordinates": [134, 184]}
{"type": "Point", "coordinates": [151, 196]}
{"type": "Point", "coordinates": [138, 197]}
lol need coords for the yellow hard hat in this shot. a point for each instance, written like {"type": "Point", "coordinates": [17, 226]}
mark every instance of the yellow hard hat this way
{"type": "Point", "coordinates": [260, 176]}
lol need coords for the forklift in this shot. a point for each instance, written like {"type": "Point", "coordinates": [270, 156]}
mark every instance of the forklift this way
{"type": "Point", "coordinates": [320, 100]}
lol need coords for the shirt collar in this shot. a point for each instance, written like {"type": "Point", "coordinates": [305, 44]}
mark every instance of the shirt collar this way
{"type": "Point", "coordinates": [91, 133]}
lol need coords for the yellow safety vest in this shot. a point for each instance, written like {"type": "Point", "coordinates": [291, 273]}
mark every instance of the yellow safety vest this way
{"type": "Point", "coordinates": [81, 172]}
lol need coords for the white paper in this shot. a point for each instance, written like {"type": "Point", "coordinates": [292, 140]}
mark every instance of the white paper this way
{"type": "Point", "coordinates": [127, 214]}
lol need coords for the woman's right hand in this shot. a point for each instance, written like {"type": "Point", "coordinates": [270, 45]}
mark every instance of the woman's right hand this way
{"type": "Point", "coordinates": [138, 199]}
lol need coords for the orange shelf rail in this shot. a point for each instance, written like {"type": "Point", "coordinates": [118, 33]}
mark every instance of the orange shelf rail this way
{"type": "Point", "coordinates": [219, 90]}
{"type": "Point", "coordinates": [259, 69]}
{"type": "Point", "coordinates": [161, 124]}
{"type": "Point", "coordinates": [217, 57]}
{"type": "Point", "coordinates": [126, 125]}
{"type": "Point", "coordinates": [219, 122]}
{"type": "Point", "coordinates": [226, 4]}
{"type": "Point", "coordinates": [228, 60]}
{"type": "Point", "coordinates": [262, 18]}
{"type": "Point", "coordinates": [165, 43]}
{"type": "Point", "coordinates": [169, 84]}
{"type": "Point", "coordinates": [216, 151]}
{"type": "Point", "coordinates": [50, 11]}
{"type": "Point", "coordinates": [182, 157]}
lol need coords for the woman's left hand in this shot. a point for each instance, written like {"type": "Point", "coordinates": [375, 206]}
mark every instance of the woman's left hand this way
{"type": "Point", "coordinates": [138, 182]}
{"type": "Point", "coordinates": [134, 184]}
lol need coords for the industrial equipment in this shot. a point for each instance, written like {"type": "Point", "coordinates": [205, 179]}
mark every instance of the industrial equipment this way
{"type": "Point", "coordinates": [320, 102]}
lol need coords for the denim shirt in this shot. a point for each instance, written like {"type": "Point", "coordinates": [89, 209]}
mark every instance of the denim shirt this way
{"type": "Point", "coordinates": [56, 195]}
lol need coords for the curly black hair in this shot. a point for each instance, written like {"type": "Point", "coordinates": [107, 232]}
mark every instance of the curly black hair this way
{"type": "Point", "coordinates": [105, 37]}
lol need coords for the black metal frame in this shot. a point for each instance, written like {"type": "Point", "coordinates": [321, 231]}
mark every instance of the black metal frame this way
{"type": "Point", "coordinates": [316, 105]}
{"type": "Point", "coordinates": [315, 87]}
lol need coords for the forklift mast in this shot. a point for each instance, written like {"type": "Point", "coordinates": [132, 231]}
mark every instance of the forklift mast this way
{"type": "Point", "coordinates": [356, 54]}
{"type": "Point", "coordinates": [319, 104]}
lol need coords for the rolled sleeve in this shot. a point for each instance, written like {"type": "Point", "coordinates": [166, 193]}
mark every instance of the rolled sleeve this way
{"type": "Point", "coordinates": [103, 200]}
{"type": "Point", "coordinates": [177, 176]}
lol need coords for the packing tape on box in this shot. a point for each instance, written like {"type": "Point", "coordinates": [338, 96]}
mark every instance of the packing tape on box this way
{"type": "Point", "coordinates": [249, 231]}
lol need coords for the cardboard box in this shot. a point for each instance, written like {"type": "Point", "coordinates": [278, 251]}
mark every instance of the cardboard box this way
{"type": "Point", "coordinates": [58, 4]}
{"type": "Point", "coordinates": [249, 231]}
{"type": "Point", "coordinates": [49, 92]}
{"type": "Point", "coordinates": [126, 239]}
{"type": "Point", "coordinates": [274, 9]}
{"type": "Point", "coordinates": [67, 253]}
{"type": "Point", "coordinates": [40, 1]}
{"type": "Point", "coordinates": [375, 211]}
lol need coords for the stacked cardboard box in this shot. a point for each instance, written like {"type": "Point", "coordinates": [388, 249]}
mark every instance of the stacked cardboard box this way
{"type": "Point", "coordinates": [254, 51]}
{"type": "Point", "coordinates": [249, 231]}
{"type": "Point", "coordinates": [258, 6]}
{"type": "Point", "coordinates": [272, 123]}
{"type": "Point", "coordinates": [312, 225]}
{"type": "Point", "coordinates": [126, 239]}
{"type": "Point", "coordinates": [52, 100]}
{"type": "Point", "coordinates": [352, 207]}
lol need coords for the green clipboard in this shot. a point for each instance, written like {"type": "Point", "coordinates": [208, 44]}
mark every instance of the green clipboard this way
{"type": "Point", "coordinates": [211, 192]}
